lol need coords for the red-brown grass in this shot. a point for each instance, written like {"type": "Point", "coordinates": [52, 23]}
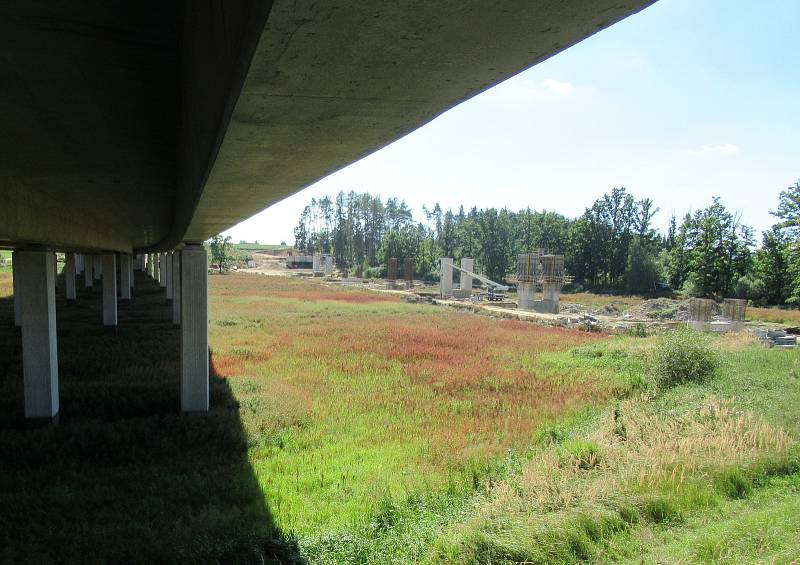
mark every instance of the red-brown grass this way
{"type": "Point", "coordinates": [471, 386]}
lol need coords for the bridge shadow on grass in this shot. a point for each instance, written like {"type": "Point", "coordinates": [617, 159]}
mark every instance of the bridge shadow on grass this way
{"type": "Point", "coordinates": [124, 477]}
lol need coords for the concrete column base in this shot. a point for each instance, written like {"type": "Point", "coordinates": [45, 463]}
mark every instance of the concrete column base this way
{"type": "Point", "coordinates": [526, 294]}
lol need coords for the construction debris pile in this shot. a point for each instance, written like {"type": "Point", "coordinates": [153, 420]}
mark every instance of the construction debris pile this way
{"type": "Point", "coordinates": [776, 338]}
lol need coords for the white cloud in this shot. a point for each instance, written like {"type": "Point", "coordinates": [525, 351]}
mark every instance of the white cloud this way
{"type": "Point", "coordinates": [558, 87]}
{"type": "Point", "coordinates": [723, 149]}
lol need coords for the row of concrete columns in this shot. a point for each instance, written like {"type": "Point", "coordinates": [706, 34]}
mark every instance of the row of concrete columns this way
{"type": "Point", "coordinates": [183, 275]}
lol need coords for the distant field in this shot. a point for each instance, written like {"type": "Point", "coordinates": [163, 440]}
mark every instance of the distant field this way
{"type": "Point", "coordinates": [6, 283]}
{"type": "Point", "coordinates": [599, 300]}
{"type": "Point", "coordinates": [5, 261]}
{"type": "Point", "coordinates": [262, 247]}
{"type": "Point", "coordinates": [775, 315]}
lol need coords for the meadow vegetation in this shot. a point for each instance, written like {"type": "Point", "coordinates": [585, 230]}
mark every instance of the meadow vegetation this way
{"type": "Point", "coordinates": [351, 427]}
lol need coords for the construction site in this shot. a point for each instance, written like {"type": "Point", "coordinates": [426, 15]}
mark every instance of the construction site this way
{"type": "Point", "coordinates": [538, 292]}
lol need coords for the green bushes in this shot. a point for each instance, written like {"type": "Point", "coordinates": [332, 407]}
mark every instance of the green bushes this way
{"type": "Point", "coordinates": [683, 356]}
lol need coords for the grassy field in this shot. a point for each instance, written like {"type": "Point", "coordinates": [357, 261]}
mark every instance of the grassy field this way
{"type": "Point", "coordinates": [264, 247]}
{"type": "Point", "coordinates": [593, 300]}
{"type": "Point", "coordinates": [351, 427]}
{"type": "Point", "coordinates": [774, 315]}
{"type": "Point", "coordinates": [352, 397]}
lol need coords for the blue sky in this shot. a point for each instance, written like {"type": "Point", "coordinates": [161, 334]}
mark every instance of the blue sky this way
{"type": "Point", "coordinates": [684, 101]}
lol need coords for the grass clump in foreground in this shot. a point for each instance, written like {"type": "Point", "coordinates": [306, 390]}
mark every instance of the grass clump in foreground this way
{"type": "Point", "coordinates": [683, 356]}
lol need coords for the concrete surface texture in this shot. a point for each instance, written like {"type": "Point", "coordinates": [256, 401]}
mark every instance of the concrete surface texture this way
{"type": "Point", "coordinates": [36, 272]}
{"type": "Point", "coordinates": [143, 125]}
{"type": "Point", "coordinates": [194, 329]}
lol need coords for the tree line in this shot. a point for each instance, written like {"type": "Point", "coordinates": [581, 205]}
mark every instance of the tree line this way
{"type": "Point", "coordinates": [612, 246]}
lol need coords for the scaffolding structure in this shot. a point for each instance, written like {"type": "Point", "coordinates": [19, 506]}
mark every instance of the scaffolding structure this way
{"type": "Point", "coordinates": [540, 270]}
{"type": "Point", "coordinates": [733, 309]}
{"type": "Point", "coordinates": [408, 271]}
{"type": "Point", "coordinates": [701, 315]}
{"type": "Point", "coordinates": [700, 310]}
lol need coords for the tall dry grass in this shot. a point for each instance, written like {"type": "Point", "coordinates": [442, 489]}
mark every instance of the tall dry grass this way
{"type": "Point", "coordinates": [643, 466]}
{"type": "Point", "coordinates": [774, 315]}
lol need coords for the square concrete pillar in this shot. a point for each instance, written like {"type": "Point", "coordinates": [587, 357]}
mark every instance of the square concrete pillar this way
{"type": "Point", "coordinates": [97, 264]}
{"type": "Point", "coordinates": [88, 266]}
{"type": "Point", "coordinates": [78, 263]}
{"type": "Point", "coordinates": [125, 277]}
{"type": "Point", "coordinates": [69, 275]}
{"type": "Point", "coordinates": [168, 276]}
{"type": "Point", "coordinates": [194, 329]}
{"type": "Point", "coordinates": [131, 263]}
{"type": "Point", "coordinates": [15, 286]}
{"type": "Point", "coordinates": [176, 288]}
{"type": "Point", "coordinates": [162, 270]}
{"type": "Point", "coordinates": [39, 345]}
{"type": "Point", "coordinates": [109, 289]}
{"type": "Point", "coordinates": [446, 276]}
{"type": "Point", "coordinates": [526, 295]}
{"type": "Point", "coordinates": [465, 280]}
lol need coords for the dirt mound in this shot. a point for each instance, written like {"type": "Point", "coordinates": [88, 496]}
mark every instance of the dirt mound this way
{"type": "Point", "coordinates": [660, 309]}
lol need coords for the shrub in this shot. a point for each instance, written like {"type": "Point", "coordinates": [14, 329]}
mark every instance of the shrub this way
{"type": "Point", "coordinates": [683, 356]}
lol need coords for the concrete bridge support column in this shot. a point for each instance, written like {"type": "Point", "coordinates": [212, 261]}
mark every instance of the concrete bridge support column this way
{"type": "Point", "coordinates": [17, 297]}
{"type": "Point", "coordinates": [39, 346]}
{"type": "Point", "coordinates": [109, 289]}
{"type": "Point", "coordinates": [88, 277]}
{"type": "Point", "coordinates": [97, 264]}
{"type": "Point", "coordinates": [69, 275]}
{"type": "Point", "coordinates": [126, 279]}
{"type": "Point", "coordinates": [130, 264]}
{"type": "Point", "coordinates": [194, 329]}
{"type": "Point", "coordinates": [526, 292]}
{"type": "Point", "coordinates": [467, 264]}
{"type": "Point", "coordinates": [176, 288]}
{"type": "Point", "coordinates": [446, 276]}
{"type": "Point", "coordinates": [162, 270]}
{"type": "Point", "coordinates": [168, 276]}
